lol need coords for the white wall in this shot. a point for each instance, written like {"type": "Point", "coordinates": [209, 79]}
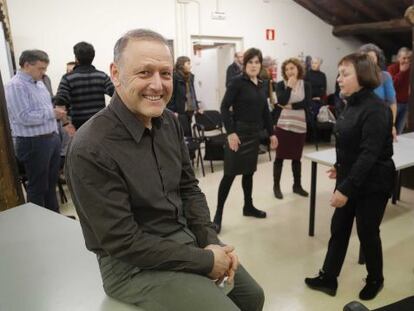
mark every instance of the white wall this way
{"type": "Point", "coordinates": [297, 30]}
{"type": "Point", "coordinates": [56, 25]}
{"type": "Point", "coordinates": [6, 67]}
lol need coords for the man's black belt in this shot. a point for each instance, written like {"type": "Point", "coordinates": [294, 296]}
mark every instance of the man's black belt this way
{"type": "Point", "coordinates": [40, 136]}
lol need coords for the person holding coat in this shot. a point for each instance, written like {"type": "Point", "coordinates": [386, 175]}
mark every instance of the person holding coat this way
{"type": "Point", "coordinates": [293, 100]}
{"type": "Point", "coordinates": [364, 173]}
{"type": "Point", "coordinates": [247, 98]}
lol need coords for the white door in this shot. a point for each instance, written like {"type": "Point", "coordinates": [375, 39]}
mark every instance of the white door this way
{"type": "Point", "coordinates": [209, 67]}
{"type": "Point", "coordinates": [204, 68]}
{"type": "Point", "coordinates": [225, 56]}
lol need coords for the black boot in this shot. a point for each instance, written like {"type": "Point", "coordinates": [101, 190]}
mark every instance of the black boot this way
{"type": "Point", "coordinates": [217, 220]}
{"type": "Point", "coordinates": [223, 192]}
{"type": "Point", "coordinates": [250, 210]}
{"type": "Point", "coordinates": [323, 283]}
{"type": "Point", "coordinates": [297, 186]}
{"type": "Point", "coordinates": [371, 289]}
{"type": "Point", "coordinates": [277, 172]}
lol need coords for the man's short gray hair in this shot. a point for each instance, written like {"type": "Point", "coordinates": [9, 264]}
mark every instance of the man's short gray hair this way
{"type": "Point", "coordinates": [403, 50]}
{"type": "Point", "coordinates": [370, 47]}
{"type": "Point", "coordinates": [136, 34]}
{"type": "Point", "coordinates": [32, 56]}
{"type": "Point", "coordinates": [267, 62]}
{"type": "Point", "coordinates": [318, 58]}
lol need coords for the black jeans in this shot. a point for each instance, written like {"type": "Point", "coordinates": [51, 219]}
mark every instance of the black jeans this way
{"type": "Point", "coordinates": [40, 157]}
{"type": "Point", "coordinates": [368, 211]}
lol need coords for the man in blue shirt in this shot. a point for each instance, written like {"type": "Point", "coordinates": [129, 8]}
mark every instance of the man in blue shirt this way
{"type": "Point", "coordinates": [34, 128]}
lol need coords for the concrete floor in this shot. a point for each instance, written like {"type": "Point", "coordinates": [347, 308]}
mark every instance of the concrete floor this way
{"type": "Point", "coordinates": [278, 252]}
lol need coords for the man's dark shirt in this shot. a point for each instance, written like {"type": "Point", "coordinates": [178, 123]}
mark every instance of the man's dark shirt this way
{"type": "Point", "coordinates": [136, 194]}
{"type": "Point", "coordinates": [317, 80]}
{"type": "Point", "coordinates": [232, 72]}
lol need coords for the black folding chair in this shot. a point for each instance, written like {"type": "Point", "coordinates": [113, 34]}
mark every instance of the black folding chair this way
{"type": "Point", "coordinates": [193, 143]}
{"type": "Point", "coordinates": [209, 128]}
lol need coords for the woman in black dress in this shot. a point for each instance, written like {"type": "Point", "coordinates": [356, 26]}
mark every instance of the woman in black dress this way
{"type": "Point", "coordinates": [247, 97]}
{"type": "Point", "coordinates": [364, 173]}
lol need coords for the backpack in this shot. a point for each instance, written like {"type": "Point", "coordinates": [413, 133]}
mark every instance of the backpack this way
{"type": "Point", "coordinates": [325, 115]}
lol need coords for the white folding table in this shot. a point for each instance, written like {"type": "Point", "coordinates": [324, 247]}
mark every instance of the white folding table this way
{"type": "Point", "coordinates": [403, 157]}
{"type": "Point", "coordinates": [44, 265]}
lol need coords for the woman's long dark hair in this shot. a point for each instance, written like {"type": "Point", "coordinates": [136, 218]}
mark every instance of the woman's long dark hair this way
{"type": "Point", "coordinates": [179, 65]}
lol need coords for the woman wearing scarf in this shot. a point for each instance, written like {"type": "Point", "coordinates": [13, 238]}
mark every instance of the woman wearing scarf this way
{"type": "Point", "coordinates": [293, 98]}
{"type": "Point", "coordinates": [184, 99]}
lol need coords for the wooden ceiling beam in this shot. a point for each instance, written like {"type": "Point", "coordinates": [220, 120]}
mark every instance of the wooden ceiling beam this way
{"type": "Point", "coordinates": [346, 12]}
{"type": "Point", "coordinates": [366, 10]}
{"type": "Point", "coordinates": [385, 42]}
{"type": "Point", "coordinates": [388, 8]}
{"type": "Point", "coordinates": [319, 11]}
{"type": "Point", "coordinates": [391, 26]}
{"type": "Point", "coordinates": [403, 4]}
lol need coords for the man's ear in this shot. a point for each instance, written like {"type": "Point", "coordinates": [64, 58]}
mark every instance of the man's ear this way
{"type": "Point", "coordinates": [26, 65]}
{"type": "Point", "coordinates": [114, 74]}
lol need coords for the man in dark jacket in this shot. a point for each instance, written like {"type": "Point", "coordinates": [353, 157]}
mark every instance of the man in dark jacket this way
{"type": "Point", "coordinates": [235, 69]}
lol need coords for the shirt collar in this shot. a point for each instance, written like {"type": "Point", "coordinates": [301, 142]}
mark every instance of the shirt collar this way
{"type": "Point", "coordinates": [84, 68]}
{"type": "Point", "coordinates": [25, 77]}
{"type": "Point", "coordinates": [134, 126]}
{"type": "Point", "coordinates": [246, 77]}
{"type": "Point", "coordinates": [355, 98]}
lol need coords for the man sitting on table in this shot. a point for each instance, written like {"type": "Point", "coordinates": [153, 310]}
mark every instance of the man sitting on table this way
{"type": "Point", "coordinates": [137, 198]}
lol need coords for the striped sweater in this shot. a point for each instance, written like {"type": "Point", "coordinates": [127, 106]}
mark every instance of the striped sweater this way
{"type": "Point", "coordinates": [83, 91]}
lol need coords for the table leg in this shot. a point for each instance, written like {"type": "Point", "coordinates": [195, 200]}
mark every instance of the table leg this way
{"type": "Point", "coordinates": [312, 200]}
{"type": "Point", "coordinates": [361, 257]}
{"type": "Point", "coordinates": [399, 185]}
{"type": "Point", "coordinates": [395, 194]}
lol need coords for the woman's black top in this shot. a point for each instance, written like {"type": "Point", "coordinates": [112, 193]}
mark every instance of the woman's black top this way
{"type": "Point", "coordinates": [317, 80]}
{"type": "Point", "coordinates": [364, 146]}
{"type": "Point", "coordinates": [249, 104]}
